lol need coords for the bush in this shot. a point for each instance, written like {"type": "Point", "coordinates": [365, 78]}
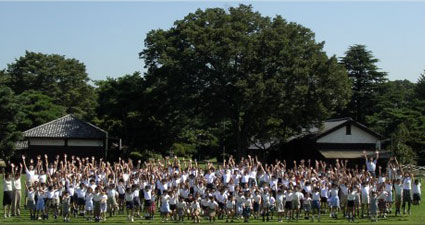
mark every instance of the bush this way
{"type": "Point", "coordinates": [183, 149]}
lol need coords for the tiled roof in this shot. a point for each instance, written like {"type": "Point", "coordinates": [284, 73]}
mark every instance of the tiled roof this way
{"type": "Point", "coordinates": [21, 145]}
{"type": "Point", "coordinates": [66, 127]}
{"type": "Point", "coordinates": [329, 126]}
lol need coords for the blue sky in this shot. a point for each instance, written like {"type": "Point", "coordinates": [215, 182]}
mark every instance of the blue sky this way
{"type": "Point", "coordinates": [107, 36]}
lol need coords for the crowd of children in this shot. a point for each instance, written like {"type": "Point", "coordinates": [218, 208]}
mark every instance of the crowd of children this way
{"type": "Point", "coordinates": [96, 190]}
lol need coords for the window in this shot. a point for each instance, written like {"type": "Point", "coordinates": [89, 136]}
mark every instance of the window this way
{"type": "Point", "coordinates": [348, 129]}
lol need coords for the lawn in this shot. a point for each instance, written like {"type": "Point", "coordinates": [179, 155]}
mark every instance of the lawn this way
{"type": "Point", "coordinates": [417, 217]}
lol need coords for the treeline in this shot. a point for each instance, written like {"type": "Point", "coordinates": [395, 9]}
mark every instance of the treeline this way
{"type": "Point", "coordinates": [217, 81]}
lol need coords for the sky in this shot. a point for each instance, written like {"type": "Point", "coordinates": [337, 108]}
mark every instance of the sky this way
{"type": "Point", "coordinates": [107, 36]}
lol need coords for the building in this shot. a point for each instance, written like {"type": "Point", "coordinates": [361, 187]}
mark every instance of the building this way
{"type": "Point", "coordinates": [68, 135]}
{"type": "Point", "coordinates": [342, 138]}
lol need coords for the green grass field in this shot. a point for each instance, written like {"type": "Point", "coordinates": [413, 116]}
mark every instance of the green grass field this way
{"type": "Point", "coordinates": [417, 217]}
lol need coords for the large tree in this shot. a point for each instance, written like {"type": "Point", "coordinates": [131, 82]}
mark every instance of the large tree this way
{"type": "Point", "coordinates": [10, 116]}
{"type": "Point", "coordinates": [420, 87]}
{"type": "Point", "coordinates": [366, 80]}
{"type": "Point", "coordinates": [38, 109]}
{"type": "Point", "coordinates": [266, 77]}
{"type": "Point", "coordinates": [63, 79]}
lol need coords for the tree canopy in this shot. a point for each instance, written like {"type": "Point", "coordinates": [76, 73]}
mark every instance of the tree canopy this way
{"type": "Point", "coordinates": [10, 116]}
{"type": "Point", "coordinates": [64, 80]}
{"type": "Point", "coordinates": [365, 80]}
{"type": "Point", "coordinates": [265, 76]}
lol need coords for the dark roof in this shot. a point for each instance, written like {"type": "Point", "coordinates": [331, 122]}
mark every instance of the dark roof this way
{"type": "Point", "coordinates": [66, 127]}
{"type": "Point", "coordinates": [330, 126]}
{"type": "Point", "coordinates": [335, 124]}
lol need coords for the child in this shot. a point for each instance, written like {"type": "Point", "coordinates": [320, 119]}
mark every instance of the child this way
{"type": "Point", "coordinates": [50, 201]}
{"type": "Point", "coordinates": [256, 204]}
{"type": "Point", "coordinates": [103, 204]}
{"type": "Point", "coordinates": [137, 202]}
{"type": "Point", "coordinates": [351, 208]}
{"type": "Point", "coordinates": [382, 197]}
{"type": "Point", "coordinates": [398, 190]}
{"type": "Point", "coordinates": [66, 204]}
{"type": "Point", "coordinates": [324, 191]}
{"type": "Point", "coordinates": [373, 208]}
{"type": "Point", "coordinates": [365, 197]}
{"type": "Point", "coordinates": [407, 188]}
{"type": "Point", "coordinates": [147, 195]}
{"type": "Point", "coordinates": [334, 200]}
{"type": "Point", "coordinates": [181, 208]}
{"type": "Point", "coordinates": [152, 209]}
{"type": "Point", "coordinates": [247, 206]}
{"type": "Point", "coordinates": [315, 205]}
{"type": "Point", "coordinates": [165, 206]}
{"type": "Point", "coordinates": [81, 195]}
{"type": "Point", "coordinates": [112, 200]}
{"type": "Point", "coordinates": [195, 208]}
{"type": "Point", "coordinates": [7, 194]}
{"type": "Point", "coordinates": [307, 206]}
{"type": "Point", "coordinates": [416, 188]}
{"type": "Point", "coordinates": [272, 206]}
{"type": "Point", "coordinates": [265, 205]}
{"type": "Point", "coordinates": [40, 202]}
{"type": "Point", "coordinates": [288, 204]}
{"type": "Point", "coordinates": [280, 205]}
{"type": "Point", "coordinates": [89, 204]}
{"type": "Point", "coordinates": [357, 201]}
{"type": "Point", "coordinates": [389, 190]}
{"type": "Point", "coordinates": [129, 203]}
{"type": "Point", "coordinates": [240, 198]}
{"type": "Point", "coordinates": [31, 202]}
{"type": "Point", "coordinates": [296, 203]}
{"type": "Point", "coordinates": [230, 208]}
{"type": "Point", "coordinates": [121, 196]}
{"type": "Point", "coordinates": [173, 205]}
{"type": "Point", "coordinates": [212, 209]}
{"type": "Point", "coordinates": [96, 204]}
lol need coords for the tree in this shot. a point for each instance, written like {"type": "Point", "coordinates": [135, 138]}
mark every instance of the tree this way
{"type": "Point", "coordinates": [399, 145]}
{"type": "Point", "coordinates": [366, 79]}
{"type": "Point", "coordinates": [119, 107]}
{"type": "Point", "coordinates": [38, 109]}
{"type": "Point", "coordinates": [64, 80]}
{"type": "Point", "coordinates": [266, 77]}
{"type": "Point", "coordinates": [420, 87]}
{"type": "Point", "coordinates": [10, 115]}
{"type": "Point", "coordinates": [3, 78]}
{"type": "Point", "coordinates": [393, 102]}
{"type": "Point", "coordinates": [400, 115]}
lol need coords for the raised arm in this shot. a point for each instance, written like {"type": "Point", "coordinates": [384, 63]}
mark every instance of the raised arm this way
{"type": "Point", "coordinates": [23, 161]}
{"type": "Point", "coordinates": [364, 155]}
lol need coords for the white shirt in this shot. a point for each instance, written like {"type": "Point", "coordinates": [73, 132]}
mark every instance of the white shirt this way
{"type": "Point", "coordinates": [407, 183]}
{"type": "Point", "coordinates": [31, 196]}
{"type": "Point", "coordinates": [147, 195]}
{"type": "Point", "coordinates": [417, 188]}
{"type": "Point", "coordinates": [352, 196]}
{"type": "Point", "coordinates": [30, 175]}
{"type": "Point", "coordinates": [17, 184]}
{"type": "Point", "coordinates": [371, 166]}
{"type": "Point", "coordinates": [129, 197]}
{"type": "Point", "coordinates": [8, 185]}
{"type": "Point", "coordinates": [316, 196]}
